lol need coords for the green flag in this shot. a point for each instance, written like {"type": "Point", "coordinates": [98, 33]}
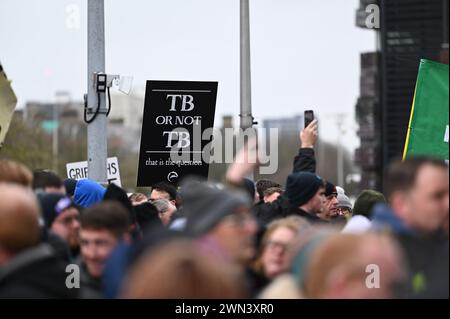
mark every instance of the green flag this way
{"type": "Point", "coordinates": [428, 124]}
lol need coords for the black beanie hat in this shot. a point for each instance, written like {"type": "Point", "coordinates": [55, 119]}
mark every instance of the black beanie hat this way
{"type": "Point", "coordinates": [330, 189]}
{"type": "Point", "coordinates": [48, 202]}
{"type": "Point", "coordinates": [205, 205]}
{"type": "Point", "coordinates": [301, 187]}
{"type": "Point", "coordinates": [69, 185]}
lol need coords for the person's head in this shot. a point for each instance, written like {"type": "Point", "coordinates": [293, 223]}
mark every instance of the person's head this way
{"type": "Point", "coordinates": [179, 270]}
{"type": "Point", "coordinates": [272, 193]}
{"type": "Point", "coordinates": [47, 181]}
{"type": "Point", "coordinates": [103, 225]}
{"type": "Point", "coordinates": [264, 184]}
{"type": "Point", "coordinates": [61, 216]}
{"type": "Point", "coordinates": [331, 202]}
{"type": "Point", "coordinates": [355, 266]}
{"type": "Point", "coordinates": [365, 201]}
{"type": "Point", "coordinates": [13, 172]}
{"type": "Point", "coordinates": [418, 192]}
{"type": "Point", "coordinates": [19, 220]}
{"type": "Point", "coordinates": [306, 191]}
{"type": "Point", "coordinates": [88, 192]}
{"type": "Point", "coordinates": [223, 215]}
{"type": "Point", "coordinates": [165, 210]}
{"type": "Point", "coordinates": [276, 240]}
{"type": "Point", "coordinates": [138, 198]}
{"type": "Point", "coordinates": [164, 190]}
{"type": "Point", "coordinates": [344, 206]}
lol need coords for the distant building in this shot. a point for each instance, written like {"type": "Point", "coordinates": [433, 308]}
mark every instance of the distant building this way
{"type": "Point", "coordinates": [68, 115]}
{"type": "Point", "coordinates": [125, 119]}
{"type": "Point", "coordinates": [285, 125]}
{"type": "Point", "coordinates": [409, 31]}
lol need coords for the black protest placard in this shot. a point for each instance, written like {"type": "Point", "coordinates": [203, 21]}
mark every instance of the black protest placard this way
{"type": "Point", "coordinates": [176, 113]}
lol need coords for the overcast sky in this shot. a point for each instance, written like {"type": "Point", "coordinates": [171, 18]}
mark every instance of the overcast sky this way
{"type": "Point", "coordinates": [305, 53]}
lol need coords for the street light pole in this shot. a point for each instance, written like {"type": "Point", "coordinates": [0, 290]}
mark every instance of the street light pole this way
{"type": "Point", "coordinates": [56, 106]}
{"type": "Point", "coordinates": [246, 118]}
{"type": "Point", "coordinates": [340, 151]}
{"type": "Point", "coordinates": [97, 136]}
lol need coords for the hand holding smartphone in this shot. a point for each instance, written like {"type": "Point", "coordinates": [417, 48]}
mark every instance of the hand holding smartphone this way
{"type": "Point", "coordinates": [308, 136]}
{"type": "Point", "coordinates": [309, 117]}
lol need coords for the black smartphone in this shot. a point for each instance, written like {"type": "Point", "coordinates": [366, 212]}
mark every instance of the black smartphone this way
{"type": "Point", "coordinates": [309, 117]}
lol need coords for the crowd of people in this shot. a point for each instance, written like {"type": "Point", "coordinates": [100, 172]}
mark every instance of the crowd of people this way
{"type": "Point", "coordinates": [238, 239]}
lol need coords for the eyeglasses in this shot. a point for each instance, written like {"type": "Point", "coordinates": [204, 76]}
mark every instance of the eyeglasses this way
{"type": "Point", "coordinates": [343, 211]}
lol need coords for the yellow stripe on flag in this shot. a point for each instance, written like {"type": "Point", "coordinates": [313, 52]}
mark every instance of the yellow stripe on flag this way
{"type": "Point", "coordinates": [405, 150]}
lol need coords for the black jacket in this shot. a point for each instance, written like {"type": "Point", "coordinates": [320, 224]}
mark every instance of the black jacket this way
{"type": "Point", "coordinates": [267, 212]}
{"type": "Point", "coordinates": [90, 287]}
{"type": "Point", "coordinates": [428, 259]}
{"type": "Point", "coordinates": [305, 161]}
{"type": "Point", "coordinates": [313, 219]}
{"type": "Point", "coordinates": [35, 273]}
{"type": "Point", "coordinates": [426, 255]}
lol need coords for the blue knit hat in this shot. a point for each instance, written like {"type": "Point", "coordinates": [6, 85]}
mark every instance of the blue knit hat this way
{"type": "Point", "coordinates": [301, 187]}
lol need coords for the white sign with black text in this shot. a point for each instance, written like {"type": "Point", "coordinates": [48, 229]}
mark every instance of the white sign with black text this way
{"type": "Point", "coordinates": [79, 170]}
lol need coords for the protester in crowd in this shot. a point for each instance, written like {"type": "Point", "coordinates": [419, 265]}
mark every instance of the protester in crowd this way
{"type": "Point", "coordinates": [88, 192]}
{"type": "Point", "coordinates": [14, 172]}
{"type": "Point", "coordinates": [28, 268]}
{"type": "Point", "coordinates": [344, 205]}
{"type": "Point", "coordinates": [305, 162]}
{"type": "Point", "coordinates": [306, 194]}
{"type": "Point", "coordinates": [222, 223]}
{"type": "Point", "coordinates": [165, 209]}
{"type": "Point", "coordinates": [163, 190]}
{"type": "Point", "coordinates": [61, 217]}
{"type": "Point", "coordinates": [271, 259]}
{"type": "Point", "coordinates": [180, 270]}
{"type": "Point", "coordinates": [221, 220]}
{"type": "Point", "coordinates": [138, 198]}
{"type": "Point", "coordinates": [354, 266]}
{"type": "Point", "coordinates": [418, 193]}
{"type": "Point", "coordinates": [271, 194]}
{"type": "Point", "coordinates": [48, 182]}
{"type": "Point", "coordinates": [103, 226]}
{"type": "Point", "coordinates": [297, 256]}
